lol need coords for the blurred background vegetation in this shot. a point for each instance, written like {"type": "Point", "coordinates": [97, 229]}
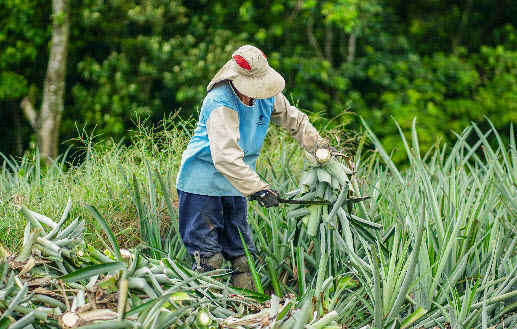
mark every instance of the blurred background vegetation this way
{"type": "Point", "coordinates": [446, 62]}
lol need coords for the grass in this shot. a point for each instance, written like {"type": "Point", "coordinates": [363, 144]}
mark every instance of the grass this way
{"type": "Point", "coordinates": [445, 252]}
{"type": "Point", "coordinates": [100, 180]}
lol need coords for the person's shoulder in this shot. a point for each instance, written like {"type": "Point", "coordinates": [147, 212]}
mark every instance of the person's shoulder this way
{"type": "Point", "coordinates": [220, 95]}
{"type": "Point", "coordinates": [220, 90]}
{"type": "Point", "coordinates": [278, 97]}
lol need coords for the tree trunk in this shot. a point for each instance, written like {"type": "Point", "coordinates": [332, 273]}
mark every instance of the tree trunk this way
{"type": "Point", "coordinates": [17, 129]}
{"type": "Point", "coordinates": [312, 38]}
{"type": "Point", "coordinates": [328, 47]}
{"type": "Point", "coordinates": [456, 40]}
{"type": "Point", "coordinates": [46, 122]}
{"type": "Point", "coordinates": [351, 47]}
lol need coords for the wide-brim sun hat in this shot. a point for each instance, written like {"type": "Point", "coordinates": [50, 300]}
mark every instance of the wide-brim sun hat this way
{"type": "Point", "coordinates": [250, 74]}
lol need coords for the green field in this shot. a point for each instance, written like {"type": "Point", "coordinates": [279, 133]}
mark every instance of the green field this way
{"type": "Point", "coordinates": [436, 246]}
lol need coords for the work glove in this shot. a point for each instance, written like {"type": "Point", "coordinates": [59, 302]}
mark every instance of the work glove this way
{"type": "Point", "coordinates": [266, 198]}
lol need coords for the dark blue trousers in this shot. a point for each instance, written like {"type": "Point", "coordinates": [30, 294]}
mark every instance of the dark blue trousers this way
{"type": "Point", "coordinates": [210, 224]}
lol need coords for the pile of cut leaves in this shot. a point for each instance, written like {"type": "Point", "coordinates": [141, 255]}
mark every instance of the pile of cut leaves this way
{"type": "Point", "coordinates": [56, 280]}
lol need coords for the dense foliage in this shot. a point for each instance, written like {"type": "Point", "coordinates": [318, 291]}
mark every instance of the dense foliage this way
{"type": "Point", "coordinates": [447, 62]}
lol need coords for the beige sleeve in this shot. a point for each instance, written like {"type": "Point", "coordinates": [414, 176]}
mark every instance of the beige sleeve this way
{"type": "Point", "coordinates": [295, 122]}
{"type": "Point", "coordinates": [222, 128]}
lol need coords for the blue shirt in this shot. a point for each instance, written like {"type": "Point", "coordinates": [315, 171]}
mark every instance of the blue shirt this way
{"type": "Point", "coordinates": [197, 172]}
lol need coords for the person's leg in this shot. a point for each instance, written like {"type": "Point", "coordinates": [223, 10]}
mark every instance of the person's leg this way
{"type": "Point", "coordinates": [235, 210]}
{"type": "Point", "coordinates": [200, 224]}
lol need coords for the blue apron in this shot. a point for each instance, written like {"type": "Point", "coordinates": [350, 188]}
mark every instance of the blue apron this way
{"type": "Point", "coordinates": [197, 172]}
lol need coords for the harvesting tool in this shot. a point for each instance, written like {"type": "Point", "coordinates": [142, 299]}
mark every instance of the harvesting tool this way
{"type": "Point", "coordinates": [322, 202]}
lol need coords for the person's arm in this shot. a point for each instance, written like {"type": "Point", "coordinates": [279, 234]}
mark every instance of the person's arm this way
{"type": "Point", "coordinates": [223, 134]}
{"type": "Point", "coordinates": [295, 122]}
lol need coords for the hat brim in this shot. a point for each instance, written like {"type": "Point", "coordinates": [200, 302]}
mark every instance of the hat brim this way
{"type": "Point", "coordinates": [225, 73]}
{"type": "Point", "coordinates": [267, 86]}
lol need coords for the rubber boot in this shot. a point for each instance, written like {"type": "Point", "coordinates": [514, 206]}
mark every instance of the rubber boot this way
{"type": "Point", "coordinates": [242, 276]}
{"type": "Point", "coordinates": [207, 264]}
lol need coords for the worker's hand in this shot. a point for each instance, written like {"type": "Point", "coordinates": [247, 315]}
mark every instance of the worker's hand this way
{"type": "Point", "coordinates": [266, 198]}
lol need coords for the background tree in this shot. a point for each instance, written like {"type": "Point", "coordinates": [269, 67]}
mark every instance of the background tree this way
{"type": "Point", "coordinates": [46, 123]}
{"type": "Point", "coordinates": [447, 62]}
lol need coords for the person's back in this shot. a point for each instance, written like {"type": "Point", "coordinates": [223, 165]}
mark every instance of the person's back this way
{"type": "Point", "coordinates": [253, 122]}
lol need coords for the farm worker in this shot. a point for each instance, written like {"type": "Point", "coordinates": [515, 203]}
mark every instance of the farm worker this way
{"type": "Point", "coordinates": [217, 170]}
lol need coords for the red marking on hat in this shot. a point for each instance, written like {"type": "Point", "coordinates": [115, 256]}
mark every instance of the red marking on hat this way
{"type": "Point", "coordinates": [242, 62]}
{"type": "Point", "coordinates": [263, 54]}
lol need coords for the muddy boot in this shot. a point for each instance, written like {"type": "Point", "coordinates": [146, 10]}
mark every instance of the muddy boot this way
{"type": "Point", "coordinates": [207, 264]}
{"type": "Point", "coordinates": [242, 278]}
